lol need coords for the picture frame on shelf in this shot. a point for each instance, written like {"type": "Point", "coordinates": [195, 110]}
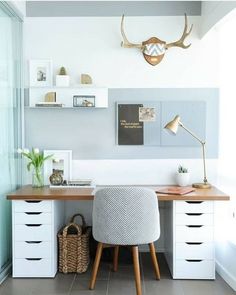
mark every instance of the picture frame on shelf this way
{"type": "Point", "coordinates": [40, 73]}
{"type": "Point", "coordinates": [60, 162]}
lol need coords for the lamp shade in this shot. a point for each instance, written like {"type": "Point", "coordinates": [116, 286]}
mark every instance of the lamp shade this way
{"type": "Point", "coordinates": [173, 125]}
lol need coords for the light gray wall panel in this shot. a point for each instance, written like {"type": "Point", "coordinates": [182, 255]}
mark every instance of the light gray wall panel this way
{"type": "Point", "coordinates": [91, 133]}
{"type": "Point", "coordinates": [111, 8]}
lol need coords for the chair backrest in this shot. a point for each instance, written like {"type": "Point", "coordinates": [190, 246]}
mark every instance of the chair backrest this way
{"type": "Point", "coordinates": [126, 216]}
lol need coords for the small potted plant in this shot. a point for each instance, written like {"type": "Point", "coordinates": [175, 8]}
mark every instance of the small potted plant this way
{"type": "Point", "coordinates": [182, 176]}
{"type": "Point", "coordinates": [62, 80]}
{"type": "Point", "coordinates": [36, 160]}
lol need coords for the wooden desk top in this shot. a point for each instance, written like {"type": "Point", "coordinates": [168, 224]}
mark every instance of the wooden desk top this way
{"type": "Point", "coordinates": [86, 194]}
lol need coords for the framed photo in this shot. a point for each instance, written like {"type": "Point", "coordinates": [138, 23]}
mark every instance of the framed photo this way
{"type": "Point", "coordinates": [61, 162]}
{"type": "Point", "coordinates": [84, 101]}
{"type": "Point", "coordinates": [40, 73]}
{"type": "Point", "coordinates": [147, 114]}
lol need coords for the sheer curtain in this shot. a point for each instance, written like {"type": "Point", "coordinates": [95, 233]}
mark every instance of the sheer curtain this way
{"type": "Point", "coordinates": [10, 113]}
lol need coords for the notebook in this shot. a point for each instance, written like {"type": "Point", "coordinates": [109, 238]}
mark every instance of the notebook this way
{"type": "Point", "coordinates": [176, 190]}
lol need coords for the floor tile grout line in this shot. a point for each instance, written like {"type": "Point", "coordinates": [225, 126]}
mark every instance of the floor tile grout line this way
{"type": "Point", "coordinates": [108, 281]}
{"type": "Point", "coordinates": [72, 283]}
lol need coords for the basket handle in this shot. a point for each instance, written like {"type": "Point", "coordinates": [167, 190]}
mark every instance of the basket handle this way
{"type": "Point", "coordinates": [65, 230]}
{"type": "Point", "coordinates": [84, 225]}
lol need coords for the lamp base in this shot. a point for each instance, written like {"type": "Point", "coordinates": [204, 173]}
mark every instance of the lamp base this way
{"type": "Point", "coordinates": [201, 185]}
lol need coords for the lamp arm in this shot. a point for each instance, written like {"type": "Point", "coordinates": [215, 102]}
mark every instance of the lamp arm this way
{"type": "Point", "coordinates": [203, 149]}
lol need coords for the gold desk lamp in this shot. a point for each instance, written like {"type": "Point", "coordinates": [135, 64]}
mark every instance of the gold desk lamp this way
{"type": "Point", "coordinates": [172, 127]}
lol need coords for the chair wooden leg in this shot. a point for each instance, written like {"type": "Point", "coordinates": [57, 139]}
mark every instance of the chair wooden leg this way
{"type": "Point", "coordinates": [154, 261]}
{"type": "Point", "coordinates": [115, 258]}
{"type": "Point", "coordinates": [96, 265]}
{"type": "Point", "coordinates": [136, 270]}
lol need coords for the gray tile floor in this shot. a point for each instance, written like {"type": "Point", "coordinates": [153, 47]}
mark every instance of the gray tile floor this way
{"type": "Point", "coordinates": [119, 283]}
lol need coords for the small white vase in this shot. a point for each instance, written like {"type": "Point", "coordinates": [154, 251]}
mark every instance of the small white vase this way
{"type": "Point", "coordinates": [182, 179]}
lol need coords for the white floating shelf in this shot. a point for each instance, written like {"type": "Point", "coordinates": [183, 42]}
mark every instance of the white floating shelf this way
{"type": "Point", "coordinates": [65, 95]}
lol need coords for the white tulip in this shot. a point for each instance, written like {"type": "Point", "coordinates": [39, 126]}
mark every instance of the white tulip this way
{"type": "Point", "coordinates": [26, 151]}
{"type": "Point", "coordinates": [36, 151]}
{"type": "Point", "coordinates": [19, 151]}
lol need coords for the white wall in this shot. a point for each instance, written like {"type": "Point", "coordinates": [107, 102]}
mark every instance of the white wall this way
{"type": "Point", "coordinates": [92, 45]}
{"type": "Point", "coordinates": [20, 5]}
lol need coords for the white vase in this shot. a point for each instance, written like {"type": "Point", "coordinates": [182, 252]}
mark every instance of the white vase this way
{"type": "Point", "coordinates": [62, 80]}
{"type": "Point", "coordinates": [182, 179]}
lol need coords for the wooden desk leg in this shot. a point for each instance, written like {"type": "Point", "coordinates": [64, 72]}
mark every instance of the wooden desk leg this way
{"type": "Point", "coordinates": [154, 260]}
{"type": "Point", "coordinates": [96, 265]}
{"type": "Point", "coordinates": [136, 270]}
{"type": "Point", "coordinates": [115, 258]}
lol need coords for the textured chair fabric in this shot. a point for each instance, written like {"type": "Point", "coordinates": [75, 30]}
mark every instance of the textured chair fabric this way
{"type": "Point", "coordinates": [126, 216]}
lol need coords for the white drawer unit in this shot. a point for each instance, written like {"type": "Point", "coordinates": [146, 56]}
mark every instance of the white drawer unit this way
{"type": "Point", "coordinates": [191, 254]}
{"type": "Point", "coordinates": [194, 269]}
{"type": "Point", "coordinates": [35, 227]}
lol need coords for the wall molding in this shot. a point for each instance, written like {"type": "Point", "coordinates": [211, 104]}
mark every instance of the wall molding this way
{"type": "Point", "coordinates": [226, 275]}
{"type": "Point", "coordinates": [111, 8]}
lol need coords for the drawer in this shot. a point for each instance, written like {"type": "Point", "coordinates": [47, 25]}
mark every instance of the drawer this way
{"type": "Point", "coordinates": [32, 218]}
{"type": "Point", "coordinates": [32, 233]}
{"type": "Point", "coordinates": [32, 249]}
{"type": "Point", "coordinates": [194, 219]}
{"type": "Point", "coordinates": [185, 233]}
{"type": "Point", "coordinates": [32, 268]}
{"type": "Point", "coordinates": [195, 250]}
{"type": "Point", "coordinates": [198, 269]}
{"type": "Point", "coordinates": [32, 206]}
{"type": "Point", "coordinates": [194, 206]}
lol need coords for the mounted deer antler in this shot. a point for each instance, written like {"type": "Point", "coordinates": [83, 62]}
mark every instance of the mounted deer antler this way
{"type": "Point", "coordinates": [180, 42]}
{"type": "Point", "coordinates": [154, 49]}
{"type": "Point", "coordinates": [126, 43]}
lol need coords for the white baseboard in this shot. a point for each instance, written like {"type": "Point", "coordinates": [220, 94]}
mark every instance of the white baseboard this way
{"type": "Point", "coordinates": [227, 276]}
{"type": "Point", "coordinates": [5, 273]}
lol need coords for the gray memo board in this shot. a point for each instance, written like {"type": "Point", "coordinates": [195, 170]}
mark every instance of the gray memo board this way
{"type": "Point", "coordinates": [192, 114]}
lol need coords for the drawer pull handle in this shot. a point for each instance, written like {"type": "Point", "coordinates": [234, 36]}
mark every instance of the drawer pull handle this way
{"type": "Point", "coordinates": [33, 259]}
{"type": "Point", "coordinates": [193, 243]}
{"type": "Point", "coordinates": [194, 260]}
{"type": "Point", "coordinates": [194, 226]}
{"type": "Point", "coordinates": [194, 202]}
{"type": "Point", "coordinates": [33, 225]}
{"type": "Point", "coordinates": [33, 201]}
{"type": "Point", "coordinates": [193, 214]}
{"type": "Point", "coordinates": [33, 242]}
{"type": "Point", "coordinates": [33, 213]}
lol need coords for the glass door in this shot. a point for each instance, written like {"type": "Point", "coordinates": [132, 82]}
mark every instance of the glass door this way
{"type": "Point", "coordinates": [10, 122]}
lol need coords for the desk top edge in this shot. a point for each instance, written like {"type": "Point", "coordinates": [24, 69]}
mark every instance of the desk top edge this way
{"type": "Point", "coordinates": [86, 194]}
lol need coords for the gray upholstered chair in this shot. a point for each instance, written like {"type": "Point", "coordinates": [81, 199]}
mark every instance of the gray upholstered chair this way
{"type": "Point", "coordinates": [125, 216]}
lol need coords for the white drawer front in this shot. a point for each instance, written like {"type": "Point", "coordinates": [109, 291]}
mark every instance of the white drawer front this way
{"type": "Point", "coordinates": [194, 219]}
{"type": "Point", "coordinates": [204, 233]}
{"type": "Point", "coordinates": [32, 233]}
{"type": "Point", "coordinates": [32, 206]}
{"type": "Point", "coordinates": [195, 250]}
{"type": "Point", "coordinates": [32, 218]}
{"type": "Point", "coordinates": [32, 249]}
{"type": "Point", "coordinates": [194, 206]}
{"type": "Point", "coordinates": [204, 269]}
{"type": "Point", "coordinates": [32, 268]}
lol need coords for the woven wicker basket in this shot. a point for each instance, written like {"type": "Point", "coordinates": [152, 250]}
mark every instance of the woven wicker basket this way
{"type": "Point", "coordinates": [74, 246]}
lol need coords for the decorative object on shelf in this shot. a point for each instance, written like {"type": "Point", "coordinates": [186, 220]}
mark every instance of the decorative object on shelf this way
{"type": "Point", "coordinates": [56, 178]}
{"type": "Point", "coordinates": [40, 73]}
{"type": "Point", "coordinates": [86, 79]}
{"type": "Point", "coordinates": [36, 160]}
{"type": "Point", "coordinates": [84, 101]}
{"type": "Point", "coordinates": [154, 49]}
{"type": "Point", "coordinates": [61, 163]}
{"type": "Point", "coordinates": [50, 97]}
{"type": "Point", "coordinates": [182, 176]}
{"type": "Point", "coordinates": [62, 80]}
{"type": "Point", "coordinates": [172, 127]}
